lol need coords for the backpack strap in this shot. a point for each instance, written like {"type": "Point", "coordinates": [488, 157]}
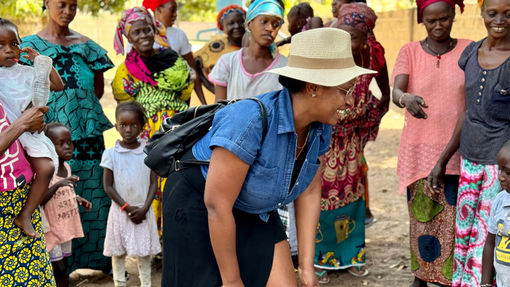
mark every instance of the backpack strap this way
{"type": "Point", "coordinates": [182, 164]}
{"type": "Point", "coordinates": [263, 115]}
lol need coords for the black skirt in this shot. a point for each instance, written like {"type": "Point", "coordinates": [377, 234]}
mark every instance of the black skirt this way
{"type": "Point", "coordinates": [188, 258]}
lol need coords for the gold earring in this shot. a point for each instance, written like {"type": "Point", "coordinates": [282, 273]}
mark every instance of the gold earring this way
{"type": "Point", "coordinates": [314, 95]}
{"type": "Point", "coordinates": [364, 46]}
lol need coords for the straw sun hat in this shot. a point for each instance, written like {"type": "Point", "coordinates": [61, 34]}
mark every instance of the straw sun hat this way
{"type": "Point", "coordinates": [322, 57]}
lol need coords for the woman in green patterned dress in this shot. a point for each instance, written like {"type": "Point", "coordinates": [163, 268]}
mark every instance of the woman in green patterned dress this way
{"type": "Point", "coordinates": [80, 63]}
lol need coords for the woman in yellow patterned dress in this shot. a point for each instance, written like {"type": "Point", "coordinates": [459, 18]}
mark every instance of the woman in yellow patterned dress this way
{"type": "Point", "coordinates": [23, 260]}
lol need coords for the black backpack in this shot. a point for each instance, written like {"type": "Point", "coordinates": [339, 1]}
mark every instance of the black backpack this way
{"type": "Point", "coordinates": [180, 132]}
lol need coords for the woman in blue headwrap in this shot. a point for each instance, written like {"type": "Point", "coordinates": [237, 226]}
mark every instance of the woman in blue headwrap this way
{"type": "Point", "coordinates": [240, 74]}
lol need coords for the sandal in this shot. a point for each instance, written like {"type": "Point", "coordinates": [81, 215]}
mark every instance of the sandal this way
{"type": "Point", "coordinates": [323, 276]}
{"type": "Point", "coordinates": [359, 273]}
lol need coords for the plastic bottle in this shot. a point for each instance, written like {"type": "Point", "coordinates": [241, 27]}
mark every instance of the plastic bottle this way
{"type": "Point", "coordinates": [41, 83]}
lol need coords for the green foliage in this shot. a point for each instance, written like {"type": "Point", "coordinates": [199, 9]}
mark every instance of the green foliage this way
{"type": "Point", "coordinates": [95, 6]}
{"type": "Point", "coordinates": [17, 9]}
{"type": "Point", "coordinates": [197, 10]}
{"type": "Point", "coordinates": [24, 9]}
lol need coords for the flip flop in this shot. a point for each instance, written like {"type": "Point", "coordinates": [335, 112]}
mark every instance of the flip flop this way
{"type": "Point", "coordinates": [323, 276]}
{"type": "Point", "coordinates": [369, 221]}
{"type": "Point", "coordinates": [362, 274]}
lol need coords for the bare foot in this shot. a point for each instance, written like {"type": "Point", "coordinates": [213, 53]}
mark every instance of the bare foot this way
{"type": "Point", "coordinates": [25, 223]}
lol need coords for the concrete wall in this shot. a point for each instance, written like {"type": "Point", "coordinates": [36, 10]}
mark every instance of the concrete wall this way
{"type": "Point", "coordinates": [396, 28]}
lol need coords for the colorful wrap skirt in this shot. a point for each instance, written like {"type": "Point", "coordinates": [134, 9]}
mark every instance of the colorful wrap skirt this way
{"type": "Point", "coordinates": [432, 230]}
{"type": "Point", "coordinates": [23, 260]}
{"type": "Point", "coordinates": [340, 239]}
{"type": "Point", "coordinates": [478, 186]}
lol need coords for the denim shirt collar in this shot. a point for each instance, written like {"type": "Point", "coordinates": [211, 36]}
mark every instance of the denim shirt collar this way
{"type": "Point", "coordinates": [286, 115]}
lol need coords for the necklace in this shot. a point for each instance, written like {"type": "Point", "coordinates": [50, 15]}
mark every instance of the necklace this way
{"type": "Point", "coordinates": [301, 148]}
{"type": "Point", "coordinates": [438, 55]}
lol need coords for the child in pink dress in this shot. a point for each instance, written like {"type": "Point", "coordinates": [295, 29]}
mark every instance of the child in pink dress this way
{"type": "Point", "coordinates": [60, 204]}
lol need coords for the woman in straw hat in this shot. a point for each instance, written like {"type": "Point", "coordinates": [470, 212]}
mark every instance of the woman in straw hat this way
{"type": "Point", "coordinates": [216, 215]}
{"type": "Point", "coordinates": [429, 85]}
{"type": "Point", "coordinates": [341, 238]}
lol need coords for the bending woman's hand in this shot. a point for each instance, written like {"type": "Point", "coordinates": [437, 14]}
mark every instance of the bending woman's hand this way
{"type": "Point", "coordinates": [414, 105]}
{"type": "Point", "coordinates": [308, 277]}
{"type": "Point", "coordinates": [32, 119]}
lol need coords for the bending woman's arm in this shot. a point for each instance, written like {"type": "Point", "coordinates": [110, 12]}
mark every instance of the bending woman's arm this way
{"type": "Point", "coordinates": [30, 120]}
{"type": "Point", "coordinates": [221, 191]}
{"type": "Point", "coordinates": [307, 208]}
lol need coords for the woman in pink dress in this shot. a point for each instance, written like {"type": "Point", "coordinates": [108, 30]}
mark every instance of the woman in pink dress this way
{"type": "Point", "coordinates": [429, 85]}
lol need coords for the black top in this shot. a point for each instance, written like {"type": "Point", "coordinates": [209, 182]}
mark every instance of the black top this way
{"type": "Point", "coordinates": [164, 59]}
{"type": "Point", "coordinates": [487, 124]}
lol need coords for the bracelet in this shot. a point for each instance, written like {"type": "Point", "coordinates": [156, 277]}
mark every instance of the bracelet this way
{"type": "Point", "coordinates": [124, 206]}
{"type": "Point", "coordinates": [486, 285]}
{"type": "Point", "coordinates": [400, 99]}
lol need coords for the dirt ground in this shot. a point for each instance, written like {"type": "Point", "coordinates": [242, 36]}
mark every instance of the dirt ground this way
{"type": "Point", "coordinates": [387, 240]}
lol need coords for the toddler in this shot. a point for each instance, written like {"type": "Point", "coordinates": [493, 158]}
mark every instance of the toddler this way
{"type": "Point", "coordinates": [16, 94]}
{"type": "Point", "coordinates": [60, 205]}
{"type": "Point", "coordinates": [297, 18]}
{"type": "Point", "coordinates": [496, 252]}
{"type": "Point", "coordinates": [131, 228]}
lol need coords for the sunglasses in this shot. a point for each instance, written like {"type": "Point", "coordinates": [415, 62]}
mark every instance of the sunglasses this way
{"type": "Point", "coordinates": [348, 92]}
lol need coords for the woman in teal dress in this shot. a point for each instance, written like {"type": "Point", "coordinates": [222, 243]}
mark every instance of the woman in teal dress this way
{"type": "Point", "coordinates": [80, 63]}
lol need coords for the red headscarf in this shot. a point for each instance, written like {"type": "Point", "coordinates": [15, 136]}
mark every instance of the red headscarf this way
{"type": "Point", "coordinates": [422, 4]}
{"type": "Point", "coordinates": [154, 4]}
{"type": "Point", "coordinates": [226, 11]}
{"type": "Point", "coordinates": [357, 15]}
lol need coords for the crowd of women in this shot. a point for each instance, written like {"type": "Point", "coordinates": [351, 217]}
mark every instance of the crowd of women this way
{"type": "Point", "coordinates": [286, 185]}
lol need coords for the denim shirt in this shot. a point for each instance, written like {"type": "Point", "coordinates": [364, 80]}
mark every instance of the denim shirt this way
{"type": "Point", "coordinates": [238, 128]}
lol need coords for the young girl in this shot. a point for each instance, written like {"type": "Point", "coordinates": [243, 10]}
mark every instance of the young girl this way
{"type": "Point", "coordinates": [60, 204]}
{"type": "Point", "coordinates": [16, 94]}
{"type": "Point", "coordinates": [131, 229]}
{"type": "Point", "coordinates": [240, 74]}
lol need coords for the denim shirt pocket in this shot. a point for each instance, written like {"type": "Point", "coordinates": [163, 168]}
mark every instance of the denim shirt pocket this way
{"type": "Point", "coordinates": [500, 101]}
{"type": "Point", "coordinates": [258, 191]}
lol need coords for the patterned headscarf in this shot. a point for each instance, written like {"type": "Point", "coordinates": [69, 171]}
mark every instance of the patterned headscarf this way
{"type": "Point", "coordinates": [128, 18]}
{"type": "Point", "coordinates": [264, 7]}
{"type": "Point", "coordinates": [422, 4]}
{"type": "Point", "coordinates": [154, 4]}
{"type": "Point", "coordinates": [227, 11]}
{"type": "Point", "coordinates": [357, 15]}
